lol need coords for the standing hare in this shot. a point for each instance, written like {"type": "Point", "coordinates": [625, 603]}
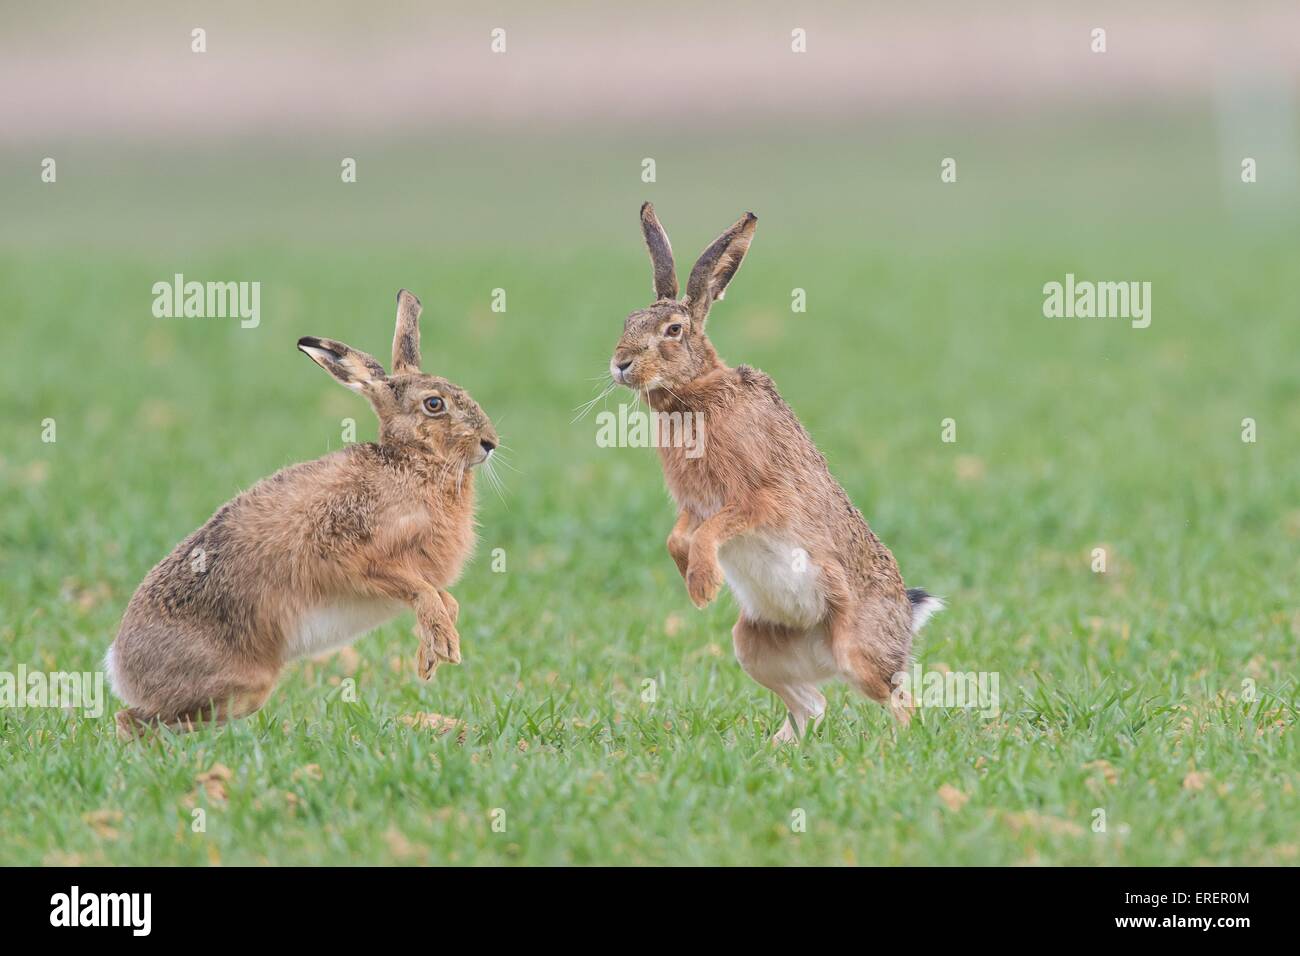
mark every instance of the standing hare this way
{"type": "Point", "coordinates": [820, 595]}
{"type": "Point", "coordinates": [315, 555]}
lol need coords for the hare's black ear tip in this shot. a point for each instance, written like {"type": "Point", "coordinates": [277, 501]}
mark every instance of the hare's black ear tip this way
{"type": "Point", "coordinates": [315, 347]}
{"type": "Point", "coordinates": [310, 346]}
{"type": "Point", "coordinates": [750, 217]}
{"type": "Point", "coordinates": [647, 209]}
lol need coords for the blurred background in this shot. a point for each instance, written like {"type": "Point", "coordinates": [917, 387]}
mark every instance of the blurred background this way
{"type": "Point", "coordinates": [456, 143]}
{"type": "Point", "coordinates": [523, 170]}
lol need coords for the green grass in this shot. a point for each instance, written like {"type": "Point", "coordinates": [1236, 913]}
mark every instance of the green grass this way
{"type": "Point", "coordinates": [1121, 691]}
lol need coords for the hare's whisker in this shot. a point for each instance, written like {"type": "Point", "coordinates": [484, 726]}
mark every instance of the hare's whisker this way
{"type": "Point", "coordinates": [445, 473]}
{"type": "Point", "coordinates": [505, 463]}
{"type": "Point", "coordinates": [670, 392]}
{"type": "Point", "coordinates": [495, 482]}
{"type": "Point", "coordinates": [584, 409]}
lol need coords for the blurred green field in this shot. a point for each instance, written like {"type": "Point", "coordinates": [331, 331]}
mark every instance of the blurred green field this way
{"type": "Point", "coordinates": [1121, 691]}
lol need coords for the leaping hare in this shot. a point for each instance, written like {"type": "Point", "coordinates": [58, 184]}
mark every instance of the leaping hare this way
{"type": "Point", "coordinates": [315, 555]}
{"type": "Point", "coordinates": [820, 595]}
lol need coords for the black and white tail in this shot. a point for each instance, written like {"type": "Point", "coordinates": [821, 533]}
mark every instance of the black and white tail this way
{"type": "Point", "coordinates": [923, 605]}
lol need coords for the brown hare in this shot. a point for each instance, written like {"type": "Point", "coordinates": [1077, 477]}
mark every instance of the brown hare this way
{"type": "Point", "coordinates": [820, 596]}
{"type": "Point", "coordinates": [315, 555]}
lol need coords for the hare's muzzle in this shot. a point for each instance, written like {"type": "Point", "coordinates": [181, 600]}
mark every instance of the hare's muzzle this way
{"type": "Point", "coordinates": [619, 369]}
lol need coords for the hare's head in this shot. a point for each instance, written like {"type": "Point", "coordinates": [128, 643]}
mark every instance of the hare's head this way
{"type": "Point", "coordinates": [664, 345]}
{"type": "Point", "coordinates": [414, 409]}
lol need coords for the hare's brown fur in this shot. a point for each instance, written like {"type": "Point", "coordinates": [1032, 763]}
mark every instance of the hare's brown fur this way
{"type": "Point", "coordinates": [820, 595]}
{"type": "Point", "coordinates": [314, 555]}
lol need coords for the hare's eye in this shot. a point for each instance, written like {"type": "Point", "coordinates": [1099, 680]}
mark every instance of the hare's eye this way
{"type": "Point", "coordinates": [674, 330]}
{"type": "Point", "coordinates": [434, 404]}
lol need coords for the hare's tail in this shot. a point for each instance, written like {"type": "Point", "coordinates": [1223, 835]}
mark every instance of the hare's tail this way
{"type": "Point", "coordinates": [923, 605]}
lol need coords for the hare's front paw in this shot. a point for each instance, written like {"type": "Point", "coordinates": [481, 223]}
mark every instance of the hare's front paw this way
{"type": "Point", "coordinates": [703, 581]}
{"type": "Point", "coordinates": [451, 604]}
{"type": "Point", "coordinates": [437, 644]}
{"type": "Point", "coordinates": [681, 554]}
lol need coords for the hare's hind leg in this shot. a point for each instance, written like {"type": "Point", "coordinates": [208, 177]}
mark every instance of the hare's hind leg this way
{"type": "Point", "coordinates": [181, 674]}
{"type": "Point", "coordinates": [871, 642]}
{"type": "Point", "coordinates": [134, 722]}
{"type": "Point", "coordinates": [235, 703]}
{"type": "Point", "coordinates": [791, 663]}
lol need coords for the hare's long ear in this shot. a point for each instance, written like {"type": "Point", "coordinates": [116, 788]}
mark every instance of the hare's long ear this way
{"type": "Point", "coordinates": [717, 265]}
{"type": "Point", "coordinates": [355, 369]}
{"type": "Point", "coordinates": [406, 337]}
{"type": "Point", "coordinates": [661, 254]}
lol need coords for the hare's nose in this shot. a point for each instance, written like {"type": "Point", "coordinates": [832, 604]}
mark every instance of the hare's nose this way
{"type": "Point", "coordinates": [488, 445]}
{"type": "Point", "coordinates": [624, 366]}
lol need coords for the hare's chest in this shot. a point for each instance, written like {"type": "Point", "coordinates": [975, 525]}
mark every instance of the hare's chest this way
{"type": "Point", "coordinates": [773, 579]}
{"type": "Point", "coordinates": [693, 485]}
{"type": "Point", "coordinates": [434, 543]}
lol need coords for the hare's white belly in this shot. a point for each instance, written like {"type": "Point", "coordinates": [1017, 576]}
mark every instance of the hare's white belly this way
{"type": "Point", "coordinates": [773, 579]}
{"type": "Point", "coordinates": [328, 627]}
